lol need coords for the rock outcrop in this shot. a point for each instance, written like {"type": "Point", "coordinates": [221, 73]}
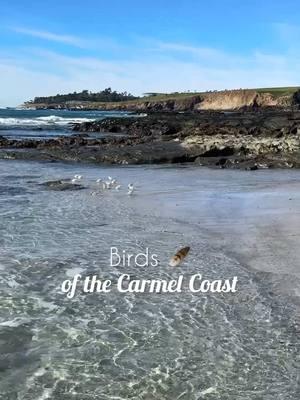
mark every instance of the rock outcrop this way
{"type": "Point", "coordinates": [249, 140]}
{"type": "Point", "coordinates": [61, 185]}
{"type": "Point", "coordinates": [236, 100]}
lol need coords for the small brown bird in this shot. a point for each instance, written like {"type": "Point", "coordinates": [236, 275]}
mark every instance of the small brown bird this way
{"type": "Point", "coordinates": [179, 256]}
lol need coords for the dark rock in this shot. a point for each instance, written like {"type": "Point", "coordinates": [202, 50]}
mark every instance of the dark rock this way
{"type": "Point", "coordinates": [216, 152]}
{"type": "Point", "coordinates": [3, 141]}
{"type": "Point", "coordinates": [222, 162]}
{"type": "Point", "coordinates": [60, 185]}
{"type": "Point", "coordinates": [252, 168]}
{"type": "Point", "coordinates": [294, 130]}
{"type": "Point", "coordinates": [81, 135]}
{"type": "Point", "coordinates": [296, 98]}
{"type": "Point", "coordinates": [226, 140]}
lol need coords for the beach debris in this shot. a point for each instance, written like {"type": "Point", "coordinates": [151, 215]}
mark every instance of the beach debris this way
{"type": "Point", "coordinates": [179, 256]}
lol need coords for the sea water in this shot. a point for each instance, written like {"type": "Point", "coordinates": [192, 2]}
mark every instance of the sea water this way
{"type": "Point", "coordinates": [42, 124]}
{"type": "Point", "coordinates": [181, 345]}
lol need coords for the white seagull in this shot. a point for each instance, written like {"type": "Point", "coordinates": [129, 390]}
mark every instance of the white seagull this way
{"type": "Point", "coordinates": [108, 184]}
{"type": "Point", "coordinates": [130, 189]}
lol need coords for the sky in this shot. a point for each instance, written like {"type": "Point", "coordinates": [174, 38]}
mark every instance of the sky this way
{"type": "Point", "coordinates": [146, 46]}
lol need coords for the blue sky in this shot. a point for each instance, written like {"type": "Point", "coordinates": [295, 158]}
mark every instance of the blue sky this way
{"type": "Point", "coordinates": [143, 46]}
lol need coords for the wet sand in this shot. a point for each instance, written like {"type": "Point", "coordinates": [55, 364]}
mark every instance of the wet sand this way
{"type": "Point", "coordinates": [253, 216]}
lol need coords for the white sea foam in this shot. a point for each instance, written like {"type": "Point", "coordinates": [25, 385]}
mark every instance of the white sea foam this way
{"type": "Point", "coordinates": [60, 120]}
{"type": "Point", "coordinates": [41, 121]}
{"type": "Point", "coordinates": [15, 322]}
{"type": "Point", "coordinates": [74, 271]}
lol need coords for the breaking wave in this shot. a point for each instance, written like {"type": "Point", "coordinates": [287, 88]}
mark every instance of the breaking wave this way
{"type": "Point", "coordinates": [51, 120]}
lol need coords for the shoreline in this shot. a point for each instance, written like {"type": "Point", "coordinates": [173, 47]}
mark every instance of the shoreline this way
{"type": "Point", "coordinates": [71, 233]}
{"type": "Point", "coordinates": [223, 100]}
{"type": "Point", "coordinates": [240, 140]}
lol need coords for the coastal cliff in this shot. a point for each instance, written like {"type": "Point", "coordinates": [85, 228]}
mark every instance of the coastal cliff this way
{"type": "Point", "coordinates": [227, 100]}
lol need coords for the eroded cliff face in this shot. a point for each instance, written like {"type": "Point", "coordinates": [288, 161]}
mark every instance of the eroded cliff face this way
{"type": "Point", "coordinates": [236, 100]}
{"type": "Point", "coordinates": [228, 100]}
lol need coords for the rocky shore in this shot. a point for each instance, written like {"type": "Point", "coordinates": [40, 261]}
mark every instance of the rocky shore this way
{"type": "Point", "coordinates": [249, 140]}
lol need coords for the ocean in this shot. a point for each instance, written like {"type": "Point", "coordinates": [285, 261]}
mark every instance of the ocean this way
{"type": "Point", "coordinates": [41, 124]}
{"type": "Point", "coordinates": [158, 346]}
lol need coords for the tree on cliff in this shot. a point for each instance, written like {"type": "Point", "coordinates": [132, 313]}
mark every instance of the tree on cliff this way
{"type": "Point", "coordinates": [106, 95]}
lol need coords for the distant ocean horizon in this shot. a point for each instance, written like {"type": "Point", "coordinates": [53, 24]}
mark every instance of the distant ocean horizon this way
{"type": "Point", "coordinates": [23, 123]}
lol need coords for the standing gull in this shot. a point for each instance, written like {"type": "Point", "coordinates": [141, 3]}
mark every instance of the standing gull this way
{"type": "Point", "coordinates": [130, 189]}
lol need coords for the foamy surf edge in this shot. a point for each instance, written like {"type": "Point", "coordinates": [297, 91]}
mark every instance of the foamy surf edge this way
{"type": "Point", "coordinates": [51, 120]}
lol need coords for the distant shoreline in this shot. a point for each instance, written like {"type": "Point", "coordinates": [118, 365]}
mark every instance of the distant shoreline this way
{"type": "Point", "coordinates": [227, 100]}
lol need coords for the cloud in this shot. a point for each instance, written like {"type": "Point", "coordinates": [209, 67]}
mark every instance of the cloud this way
{"type": "Point", "coordinates": [162, 67]}
{"type": "Point", "coordinates": [54, 37]}
{"type": "Point", "coordinates": [202, 52]}
{"type": "Point", "coordinates": [19, 84]}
